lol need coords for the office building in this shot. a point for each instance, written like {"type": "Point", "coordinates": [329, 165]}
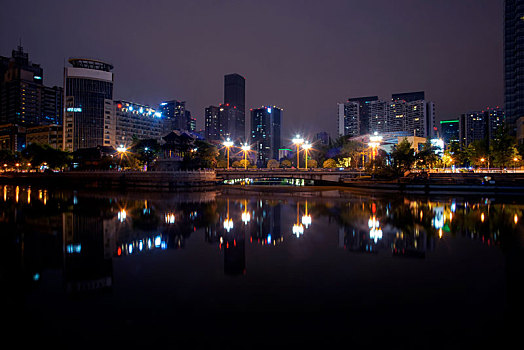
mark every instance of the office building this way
{"type": "Point", "coordinates": [265, 133]}
{"type": "Point", "coordinates": [24, 99]}
{"type": "Point", "coordinates": [481, 125]}
{"type": "Point", "coordinates": [12, 137]}
{"type": "Point", "coordinates": [176, 116]}
{"type": "Point", "coordinates": [130, 120]}
{"type": "Point", "coordinates": [212, 123]}
{"type": "Point", "coordinates": [450, 131]}
{"type": "Point", "coordinates": [88, 103]}
{"type": "Point", "coordinates": [235, 97]}
{"type": "Point", "coordinates": [513, 62]}
{"type": "Point", "coordinates": [363, 111]}
{"type": "Point", "coordinates": [378, 117]}
{"type": "Point", "coordinates": [349, 119]}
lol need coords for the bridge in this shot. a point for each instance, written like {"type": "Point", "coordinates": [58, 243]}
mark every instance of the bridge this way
{"type": "Point", "coordinates": [325, 175]}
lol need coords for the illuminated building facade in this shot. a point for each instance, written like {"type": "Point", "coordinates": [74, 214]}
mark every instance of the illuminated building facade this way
{"type": "Point", "coordinates": [176, 116]}
{"type": "Point", "coordinates": [265, 133]}
{"type": "Point", "coordinates": [450, 130]}
{"type": "Point", "coordinates": [88, 104]}
{"type": "Point", "coordinates": [132, 120]}
{"type": "Point", "coordinates": [349, 119]}
{"type": "Point", "coordinates": [363, 111]}
{"type": "Point", "coordinates": [24, 99]}
{"type": "Point", "coordinates": [481, 125]}
{"type": "Point", "coordinates": [51, 135]}
{"type": "Point", "coordinates": [513, 62]}
{"type": "Point", "coordinates": [212, 123]}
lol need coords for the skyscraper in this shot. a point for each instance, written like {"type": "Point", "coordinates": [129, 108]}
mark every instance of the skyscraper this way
{"type": "Point", "coordinates": [235, 97]}
{"type": "Point", "coordinates": [513, 61]}
{"type": "Point", "coordinates": [176, 116]}
{"type": "Point", "coordinates": [265, 133]}
{"type": "Point", "coordinates": [88, 103]}
{"type": "Point", "coordinates": [349, 119]}
{"type": "Point", "coordinates": [450, 130]}
{"type": "Point", "coordinates": [24, 99]}
{"type": "Point", "coordinates": [363, 111]}
{"type": "Point", "coordinates": [212, 123]}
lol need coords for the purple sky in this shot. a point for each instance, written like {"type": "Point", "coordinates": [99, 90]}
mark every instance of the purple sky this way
{"type": "Point", "coordinates": [304, 56]}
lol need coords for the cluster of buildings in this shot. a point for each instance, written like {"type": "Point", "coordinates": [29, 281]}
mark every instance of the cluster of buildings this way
{"type": "Point", "coordinates": [405, 112]}
{"type": "Point", "coordinates": [84, 114]}
{"type": "Point", "coordinates": [81, 115]}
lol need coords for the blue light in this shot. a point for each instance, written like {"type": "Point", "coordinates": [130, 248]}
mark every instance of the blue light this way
{"type": "Point", "coordinates": [130, 108]}
{"type": "Point", "coordinates": [37, 77]}
{"type": "Point", "coordinates": [158, 114]}
{"type": "Point", "coordinates": [269, 109]}
{"type": "Point", "coordinates": [36, 276]}
{"type": "Point", "coordinates": [157, 241]}
{"type": "Point", "coordinates": [269, 239]}
{"type": "Point", "coordinates": [163, 103]}
{"type": "Point", "coordinates": [130, 249]}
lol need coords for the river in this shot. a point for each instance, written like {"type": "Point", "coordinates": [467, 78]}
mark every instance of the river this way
{"type": "Point", "coordinates": [237, 268]}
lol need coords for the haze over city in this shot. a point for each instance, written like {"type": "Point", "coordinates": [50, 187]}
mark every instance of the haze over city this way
{"type": "Point", "coordinates": [302, 56]}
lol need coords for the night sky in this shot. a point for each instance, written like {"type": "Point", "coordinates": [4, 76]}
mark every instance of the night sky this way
{"type": "Point", "coordinates": [304, 56]}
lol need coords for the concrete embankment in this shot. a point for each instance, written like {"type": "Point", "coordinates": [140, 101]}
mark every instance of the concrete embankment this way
{"type": "Point", "coordinates": [445, 183]}
{"type": "Point", "coordinates": [170, 180]}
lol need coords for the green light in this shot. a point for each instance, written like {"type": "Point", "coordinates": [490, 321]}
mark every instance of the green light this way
{"type": "Point", "coordinates": [448, 121]}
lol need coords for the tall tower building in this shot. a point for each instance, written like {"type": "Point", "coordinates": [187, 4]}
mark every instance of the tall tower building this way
{"type": "Point", "coordinates": [24, 99]}
{"type": "Point", "coordinates": [363, 112]}
{"type": "Point", "coordinates": [513, 61]}
{"type": "Point", "coordinates": [212, 123]}
{"type": "Point", "coordinates": [266, 124]}
{"type": "Point", "coordinates": [349, 119]}
{"type": "Point", "coordinates": [88, 99]}
{"type": "Point", "coordinates": [176, 116]}
{"type": "Point", "coordinates": [235, 96]}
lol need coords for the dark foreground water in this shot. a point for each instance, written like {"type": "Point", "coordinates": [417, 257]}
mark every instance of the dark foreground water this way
{"type": "Point", "coordinates": [240, 269]}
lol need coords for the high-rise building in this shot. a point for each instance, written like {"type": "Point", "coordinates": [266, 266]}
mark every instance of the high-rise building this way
{"type": "Point", "coordinates": [88, 103]}
{"type": "Point", "coordinates": [265, 133]}
{"type": "Point", "coordinates": [349, 119]}
{"type": "Point", "coordinates": [212, 123]}
{"type": "Point", "coordinates": [513, 61]}
{"type": "Point", "coordinates": [363, 111]}
{"type": "Point", "coordinates": [176, 116]}
{"type": "Point", "coordinates": [235, 96]}
{"type": "Point", "coordinates": [408, 96]}
{"type": "Point", "coordinates": [450, 130]}
{"type": "Point", "coordinates": [24, 99]}
{"type": "Point", "coordinates": [378, 116]}
{"type": "Point", "coordinates": [232, 123]}
{"type": "Point", "coordinates": [481, 125]}
{"type": "Point", "coordinates": [132, 120]}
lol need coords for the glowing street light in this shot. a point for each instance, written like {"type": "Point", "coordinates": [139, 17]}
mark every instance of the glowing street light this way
{"type": "Point", "coordinates": [374, 143]}
{"type": "Point", "coordinates": [122, 150]}
{"type": "Point", "coordinates": [306, 146]}
{"type": "Point", "coordinates": [515, 159]}
{"type": "Point", "coordinates": [245, 148]}
{"type": "Point", "coordinates": [228, 144]}
{"type": "Point", "coordinates": [298, 141]}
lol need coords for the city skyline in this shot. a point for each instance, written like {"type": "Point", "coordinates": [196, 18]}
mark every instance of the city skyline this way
{"type": "Point", "coordinates": [452, 51]}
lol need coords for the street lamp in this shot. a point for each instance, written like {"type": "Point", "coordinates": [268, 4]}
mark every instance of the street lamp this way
{"type": "Point", "coordinates": [245, 147]}
{"type": "Point", "coordinates": [515, 159]}
{"type": "Point", "coordinates": [121, 149]}
{"type": "Point", "coordinates": [306, 146]}
{"type": "Point", "coordinates": [228, 144]}
{"type": "Point", "coordinates": [298, 141]}
{"type": "Point", "coordinates": [374, 143]}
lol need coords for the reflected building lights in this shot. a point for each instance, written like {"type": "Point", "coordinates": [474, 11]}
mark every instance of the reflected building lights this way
{"type": "Point", "coordinates": [169, 218]}
{"type": "Point", "coordinates": [375, 232]}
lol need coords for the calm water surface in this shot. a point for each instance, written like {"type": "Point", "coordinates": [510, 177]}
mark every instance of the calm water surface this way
{"type": "Point", "coordinates": [236, 268]}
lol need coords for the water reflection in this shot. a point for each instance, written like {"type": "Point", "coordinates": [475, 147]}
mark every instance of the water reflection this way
{"type": "Point", "coordinates": [82, 233]}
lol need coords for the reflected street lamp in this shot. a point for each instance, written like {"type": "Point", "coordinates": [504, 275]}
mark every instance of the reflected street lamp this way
{"type": "Point", "coordinates": [298, 141]}
{"type": "Point", "coordinates": [228, 144]}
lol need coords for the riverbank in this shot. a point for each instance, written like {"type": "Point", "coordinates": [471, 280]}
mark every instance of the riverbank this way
{"type": "Point", "coordinates": [168, 180]}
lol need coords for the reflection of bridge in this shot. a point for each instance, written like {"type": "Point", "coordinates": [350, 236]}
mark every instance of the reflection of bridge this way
{"type": "Point", "coordinates": [328, 175]}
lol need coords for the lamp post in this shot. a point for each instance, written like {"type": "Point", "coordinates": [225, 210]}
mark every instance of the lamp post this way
{"type": "Point", "coordinates": [515, 159]}
{"type": "Point", "coordinates": [228, 144]}
{"type": "Point", "coordinates": [245, 147]}
{"type": "Point", "coordinates": [374, 143]}
{"type": "Point", "coordinates": [306, 146]}
{"type": "Point", "coordinates": [121, 150]}
{"type": "Point", "coordinates": [298, 141]}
